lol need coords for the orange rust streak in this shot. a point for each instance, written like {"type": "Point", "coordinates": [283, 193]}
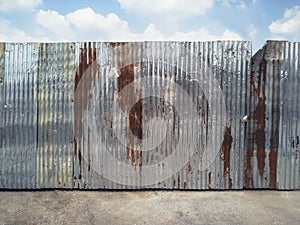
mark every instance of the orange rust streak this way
{"type": "Point", "coordinates": [225, 153]}
{"type": "Point", "coordinates": [126, 77]}
{"type": "Point", "coordinates": [209, 180]}
{"type": "Point", "coordinates": [189, 167]}
{"type": "Point", "coordinates": [132, 157]}
{"type": "Point", "coordinates": [87, 69]}
{"type": "Point", "coordinates": [260, 137]}
{"type": "Point", "coordinates": [128, 153]}
{"type": "Point", "coordinates": [184, 185]}
{"type": "Point", "coordinates": [259, 121]}
{"type": "Point", "coordinates": [225, 150]}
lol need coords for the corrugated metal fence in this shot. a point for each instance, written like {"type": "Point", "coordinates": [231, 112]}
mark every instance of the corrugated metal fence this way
{"type": "Point", "coordinates": [172, 115]}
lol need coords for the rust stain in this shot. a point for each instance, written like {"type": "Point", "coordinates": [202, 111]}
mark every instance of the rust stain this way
{"type": "Point", "coordinates": [125, 98]}
{"type": "Point", "coordinates": [189, 167]}
{"type": "Point", "coordinates": [230, 183]}
{"type": "Point", "coordinates": [88, 55]}
{"type": "Point", "coordinates": [126, 76]}
{"type": "Point", "coordinates": [184, 185]}
{"type": "Point", "coordinates": [258, 121]}
{"type": "Point", "coordinates": [88, 68]}
{"type": "Point", "coordinates": [132, 157]}
{"type": "Point", "coordinates": [225, 151]}
{"type": "Point", "coordinates": [260, 137]}
{"type": "Point", "coordinates": [209, 180]}
{"type": "Point", "coordinates": [141, 161]}
{"type": "Point", "coordinates": [116, 44]}
{"type": "Point", "coordinates": [128, 153]}
{"type": "Point", "coordinates": [135, 119]}
{"type": "Point", "coordinates": [122, 52]}
{"type": "Point", "coordinates": [130, 95]}
{"type": "Point", "coordinates": [260, 117]}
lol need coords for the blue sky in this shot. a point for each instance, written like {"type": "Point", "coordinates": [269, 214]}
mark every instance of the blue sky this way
{"type": "Point", "coordinates": [123, 20]}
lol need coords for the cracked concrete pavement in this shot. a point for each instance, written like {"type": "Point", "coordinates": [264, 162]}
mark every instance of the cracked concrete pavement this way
{"type": "Point", "coordinates": [150, 207]}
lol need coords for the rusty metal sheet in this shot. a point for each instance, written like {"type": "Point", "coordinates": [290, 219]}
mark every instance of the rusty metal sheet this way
{"type": "Point", "coordinates": [160, 115]}
{"type": "Point", "coordinates": [149, 115]}
{"type": "Point", "coordinates": [123, 115]}
{"type": "Point", "coordinates": [272, 127]}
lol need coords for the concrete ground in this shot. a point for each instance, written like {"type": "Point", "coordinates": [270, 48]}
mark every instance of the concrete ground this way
{"type": "Point", "coordinates": [153, 207]}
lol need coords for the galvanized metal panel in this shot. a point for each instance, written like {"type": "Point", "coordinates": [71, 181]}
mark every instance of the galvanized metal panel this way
{"type": "Point", "coordinates": [114, 138]}
{"type": "Point", "coordinates": [2, 69]}
{"type": "Point", "coordinates": [288, 176]}
{"type": "Point", "coordinates": [18, 116]}
{"type": "Point", "coordinates": [55, 85]}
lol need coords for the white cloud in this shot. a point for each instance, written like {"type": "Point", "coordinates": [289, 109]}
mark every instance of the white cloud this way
{"type": "Point", "coordinates": [12, 5]}
{"type": "Point", "coordinates": [242, 5]}
{"type": "Point", "coordinates": [203, 34]}
{"type": "Point", "coordinates": [236, 3]}
{"type": "Point", "coordinates": [170, 10]}
{"type": "Point", "coordinates": [252, 31]}
{"type": "Point", "coordinates": [85, 24]}
{"type": "Point", "coordinates": [8, 33]}
{"type": "Point", "coordinates": [288, 26]}
{"type": "Point", "coordinates": [151, 33]}
{"type": "Point", "coordinates": [89, 23]}
{"type": "Point", "coordinates": [55, 23]}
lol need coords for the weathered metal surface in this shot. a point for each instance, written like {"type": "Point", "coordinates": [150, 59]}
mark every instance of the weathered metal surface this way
{"type": "Point", "coordinates": [288, 169]}
{"type": "Point", "coordinates": [55, 84]}
{"type": "Point", "coordinates": [149, 115]}
{"type": "Point", "coordinates": [273, 113]}
{"type": "Point", "coordinates": [116, 72]}
{"type": "Point", "coordinates": [18, 110]}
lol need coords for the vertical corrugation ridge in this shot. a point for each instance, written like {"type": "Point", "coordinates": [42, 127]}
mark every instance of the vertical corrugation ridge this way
{"type": "Point", "coordinates": [3, 175]}
{"type": "Point", "coordinates": [297, 108]}
{"type": "Point", "coordinates": [69, 110]}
